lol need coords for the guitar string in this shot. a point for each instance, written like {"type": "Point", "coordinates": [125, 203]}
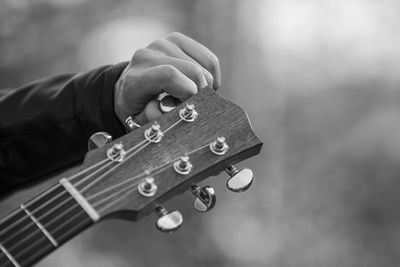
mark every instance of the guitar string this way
{"type": "Point", "coordinates": [38, 218]}
{"type": "Point", "coordinates": [133, 178]}
{"type": "Point", "coordinates": [43, 238]}
{"type": "Point", "coordinates": [32, 257]}
{"type": "Point", "coordinates": [2, 220]}
{"type": "Point", "coordinates": [170, 162]}
{"type": "Point", "coordinates": [27, 260]}
{"type": "Point", "coordinates": [70, 179]}
{"type": "Point", "coordinates": [80, 211]}
{"type": "Point", "coordinates": [49, 191]}
{"type": "Point", "coordinates": [47, 243]}
{"type": "Point", "coordinates": [73, 177]}
{"type": "Point", "coordinates": [64, 223]}
{"type": "Point", "coordinates": [108, 164]}
{"type": "Point", "coordinates": [150, 171]}
{"type": "Point", "coordinates": [118, 193]}
{"type": "Point", "coordinates": [119, 164]}
{"type": "Point", "coordinates": [53, 209]}
{"type": "Point", "coordinates": [51, 222]}
{"type": "Point", "coordinates": [40, 208]}
{"type": "Point", "coordinates": [163, 166]}
{"type": "Point", "coordinates": [125, 188]}
{"type": "Point", "coordinates": [45, 194]}
{"type": "Point", "coordinates": [89, 185]}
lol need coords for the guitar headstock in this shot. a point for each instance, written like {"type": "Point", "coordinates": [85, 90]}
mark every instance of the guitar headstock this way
{"type": "Point", "coordinates": [131, 176]}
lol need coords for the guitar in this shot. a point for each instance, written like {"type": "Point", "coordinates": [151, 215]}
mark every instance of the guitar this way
{"type": "Point", "coordinates": [133, 175]}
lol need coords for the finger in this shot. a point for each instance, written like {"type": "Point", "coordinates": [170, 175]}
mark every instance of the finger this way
{"type": "Point", "coordinates": [139, 89]}
{"type": "Point", "coordinates": [192, 70]}
{"type": "Point", "coordinates": [167, 78]}
{"type": "Point", "coordinates": [151, 112]}
{"type": "Point", "coordinates": [199, 53]}
{"type": "Point", "coordinates": [172, 50]}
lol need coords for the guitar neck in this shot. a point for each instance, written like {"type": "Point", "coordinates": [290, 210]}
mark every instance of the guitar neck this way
{"type": "Point", "coordinates": [132, 175]}
{"type": "Point", "coordinates": [40, 226]}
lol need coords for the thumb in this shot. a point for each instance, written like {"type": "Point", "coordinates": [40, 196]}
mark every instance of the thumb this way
{"type": "Point", "coordinates": [150, 112]}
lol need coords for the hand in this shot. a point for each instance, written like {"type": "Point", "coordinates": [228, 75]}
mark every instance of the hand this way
{"type": "Point", "coordinates": [177, 65]}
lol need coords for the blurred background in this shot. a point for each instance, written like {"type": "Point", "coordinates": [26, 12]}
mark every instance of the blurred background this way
{"type": "Point", "coordinates": [320, 82]}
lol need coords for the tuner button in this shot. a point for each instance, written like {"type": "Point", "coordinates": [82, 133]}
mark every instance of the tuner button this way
{"type": "Point", "coordinates": [204, 198]}
{"type": "Point", "coordinates": [183, 165]}
{"type": "Point", "coordinates": [188, 113]}
{"type": "Point", "coordinates": [154, 133]}
{"type": "Point", "coordinates": [147, 187]}
{"type": "Point", "coordinates": [240, 180]}
{"type": "Point", "coordinates": [98, 140]}
{"type": "Point", "coordinates": [219, 146]}
{"type": "Point", "coordinates": [168, 221]}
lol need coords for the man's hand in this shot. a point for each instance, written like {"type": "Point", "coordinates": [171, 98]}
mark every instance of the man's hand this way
{"type": "Point", "coordinates": [177, 65]}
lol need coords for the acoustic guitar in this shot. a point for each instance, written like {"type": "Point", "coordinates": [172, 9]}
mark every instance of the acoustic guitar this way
{"type": "Point", "coordinates": [133, 175]}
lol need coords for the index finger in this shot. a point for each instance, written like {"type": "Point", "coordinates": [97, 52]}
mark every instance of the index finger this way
{"type": "Point", "coordinates": [200, 53]}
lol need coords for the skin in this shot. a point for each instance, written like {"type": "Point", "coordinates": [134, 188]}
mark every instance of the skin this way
{"type": "Point", "coordinates": [177, 65]}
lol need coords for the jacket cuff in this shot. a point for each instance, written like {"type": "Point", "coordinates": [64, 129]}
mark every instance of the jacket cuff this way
{"type": "Point", "coordinates": [96, 107]}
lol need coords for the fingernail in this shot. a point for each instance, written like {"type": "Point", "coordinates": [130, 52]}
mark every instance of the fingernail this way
{"type": "Point", "coordinates": [168, 103]}
{"type": "Point", "coordinates": [209, 78]}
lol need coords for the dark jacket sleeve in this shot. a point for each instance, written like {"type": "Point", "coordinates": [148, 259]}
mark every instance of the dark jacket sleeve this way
{"type": "Point", "coordinates": [45, 125]}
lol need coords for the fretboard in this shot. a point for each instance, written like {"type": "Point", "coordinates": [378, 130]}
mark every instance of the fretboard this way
{"type": "Point", "coordinates": [40, 226]}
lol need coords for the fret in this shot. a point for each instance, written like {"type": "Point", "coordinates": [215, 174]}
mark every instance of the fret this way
{"type": "Point", "coordinates": [9, 257]}
{"type": "Point", "coordinates": [60, 216]}
{"type": "Point", "coordinates": [14, 228]}
{"type": "Point", "coordinates": [40, 226]}
{"type": "Point", "coordinates": [8, 216]}
{"type": "Point", "coordinates": [66, 226]}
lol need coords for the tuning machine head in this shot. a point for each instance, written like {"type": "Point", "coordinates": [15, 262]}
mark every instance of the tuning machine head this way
{"type": "Point", "coordinates": [168, 221]}
{"type": "Point", "coordinates": [204, 198]}
{"type": "Point", "coordinates": [98, 140]}
{"type": "Point", "coordinates": [240, 180]}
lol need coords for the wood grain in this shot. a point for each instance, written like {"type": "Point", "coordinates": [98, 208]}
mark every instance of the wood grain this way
{"type": "Point", "coordinates": [217, 117]}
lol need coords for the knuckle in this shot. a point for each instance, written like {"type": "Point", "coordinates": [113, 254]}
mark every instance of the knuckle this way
{"type": "Point", "coordinates": [158, 44]}
{"type": "Point", "coordinates": [175, 36]}
{"type": "Point", "coordinates": [170, 72]}
{"type": "Point", "coordinates": [197, 73]}
{"type": "Point", "coordinates": [196, 70]}
{"type": "Point", "coordinates": [140, 54]}
{"type": "Point", "coordinates": [130, 81]}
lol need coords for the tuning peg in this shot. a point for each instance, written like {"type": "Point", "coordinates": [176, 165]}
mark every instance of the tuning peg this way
{"type": "Point", "coordinates": [204, 197]}
{"type": "Point", "coordinates": [240, 179]}
{"type": "Point", "coordinates": [98, 140]}
{"type": "Point", "coordinates": [168, 221]}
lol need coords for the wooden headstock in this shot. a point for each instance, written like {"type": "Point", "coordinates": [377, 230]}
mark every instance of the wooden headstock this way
{"type": "Point", "coordinates": [113, 190]}
{"type": "Point", "coordinates": [133, 175]}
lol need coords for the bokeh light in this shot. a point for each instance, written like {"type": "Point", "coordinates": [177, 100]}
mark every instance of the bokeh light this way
{"type": "Point", "coordinates": [319, 80]}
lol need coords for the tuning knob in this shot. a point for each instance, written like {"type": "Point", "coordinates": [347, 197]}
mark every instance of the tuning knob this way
{"type": "Point", "coordinates": [168, 221]}
{"type": "Point", "coordinates": [240, 179]}
{"type": "Point", "coordinates": [98, 140]}
{"type": "Point", "coordinates": [204, 198]}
